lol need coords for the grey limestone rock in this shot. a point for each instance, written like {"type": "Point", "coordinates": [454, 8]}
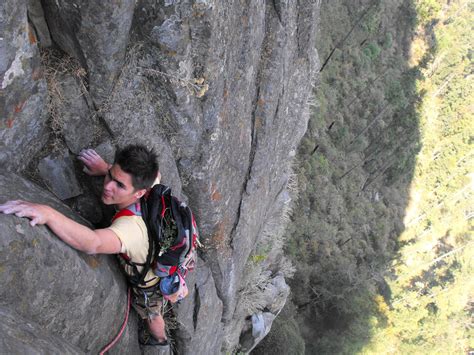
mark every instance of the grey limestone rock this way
{"type": "Point", "coordinates": [66, 293]}
{"type": "Point", "coordinates": [258, 327]}
{"type": "Point", "coordinates": [21, 336]}
{"type": "Point", "coordinates": [23, 89]}
{"type": "Point", "coordinates": [36, 16]}
{"type": "Point", "coordinates": [106, 150]}
{"type": "Point", "coordinates": [200, 315]}
{"type": "Point", "coordinates": [157, 350]}
{"type": "Point", "coordinates": [57, 172]}
{"type": "Point", "coordinates": [219, 89]}
{"type": "Point", "coordinates": [169, 35]}
{"type": "Point", "coordinates": [96, 34]}
{"type": "Point", "coordinates": [276, 294]}
{"type": "Point", "coordinates": [77, 125]}
{"type": "Point", "coordinates": [234, 137]}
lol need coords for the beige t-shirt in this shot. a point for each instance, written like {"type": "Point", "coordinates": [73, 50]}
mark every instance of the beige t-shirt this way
{"type": "Point", "coordinates": [132, 232]}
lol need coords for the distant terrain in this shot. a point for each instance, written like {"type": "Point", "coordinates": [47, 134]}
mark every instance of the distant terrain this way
{"type": "Point", "coordinates": [381, 235]}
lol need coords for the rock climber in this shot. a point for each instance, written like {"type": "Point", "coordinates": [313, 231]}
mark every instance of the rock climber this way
{"type": "Point", "coordinates": [134, 171]}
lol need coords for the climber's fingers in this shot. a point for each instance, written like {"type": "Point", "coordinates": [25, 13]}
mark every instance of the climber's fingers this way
{"type": "Point", "coordinates": [37, 213]}
{"type": "Point", "coordinates": [93, 163]}
{"type": "Point", "coordinates": [10, 207]}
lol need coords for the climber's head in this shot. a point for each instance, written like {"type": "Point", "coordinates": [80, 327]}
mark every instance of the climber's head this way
{"type": "Point", "coordinates": [134, 170]}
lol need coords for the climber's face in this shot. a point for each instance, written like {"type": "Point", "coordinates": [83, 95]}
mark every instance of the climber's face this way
{"type": "Point", "coordinates": [118, 188]}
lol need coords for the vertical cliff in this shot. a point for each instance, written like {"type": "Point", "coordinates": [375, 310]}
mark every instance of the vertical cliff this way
{"type": "Point", "coordinates": [218, 88]}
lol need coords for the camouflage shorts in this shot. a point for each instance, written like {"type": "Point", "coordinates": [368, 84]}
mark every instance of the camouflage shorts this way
{"type": "Point", "coordinates": [147, 302]}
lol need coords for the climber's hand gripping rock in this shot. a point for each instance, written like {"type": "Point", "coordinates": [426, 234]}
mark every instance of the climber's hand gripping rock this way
{"type": "Point", "coordinates": [94, 165]}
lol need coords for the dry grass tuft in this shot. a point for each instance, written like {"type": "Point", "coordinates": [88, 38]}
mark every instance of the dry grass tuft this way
{"type": "Point", "coordinates": [56, 64]}
{"type": "Point", "coordinates": [195, 87]}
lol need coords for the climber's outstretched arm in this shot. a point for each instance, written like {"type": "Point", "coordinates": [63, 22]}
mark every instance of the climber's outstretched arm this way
{"type": "Point", "coordinates": [78, 236]}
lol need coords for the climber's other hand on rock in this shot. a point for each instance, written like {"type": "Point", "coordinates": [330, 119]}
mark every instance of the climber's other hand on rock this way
{"type": "Point", "coordinates": [94, 165]}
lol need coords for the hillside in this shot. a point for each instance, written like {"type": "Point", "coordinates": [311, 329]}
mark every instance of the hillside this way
{"type": "Point", "coordinates": [430, 310]}
{"type": "Point", "coordinates": [381, 231]}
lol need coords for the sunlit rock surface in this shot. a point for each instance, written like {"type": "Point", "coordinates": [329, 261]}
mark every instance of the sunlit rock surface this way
{"type": "Point", "coordinates": [70, 296]}
{"type": "Point", "coordinates": [218, 88]}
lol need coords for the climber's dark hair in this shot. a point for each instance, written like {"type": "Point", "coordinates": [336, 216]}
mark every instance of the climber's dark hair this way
{"type": "Point", "coordinates": [140, 162]}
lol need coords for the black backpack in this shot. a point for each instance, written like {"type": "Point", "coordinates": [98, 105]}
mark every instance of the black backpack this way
{"type": "Point", "coordinates": [173, 238]}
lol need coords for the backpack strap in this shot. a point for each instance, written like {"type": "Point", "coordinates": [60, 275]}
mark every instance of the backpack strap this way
{"type": "Point", "coordinates": [151, 241]}
{"type": "Point", "coordinates": [132, 210]}
{"type": "Point", "coordinates": [138, 278]}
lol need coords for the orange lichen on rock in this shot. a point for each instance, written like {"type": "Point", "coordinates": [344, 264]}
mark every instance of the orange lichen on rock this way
{"type": "Point", "coordinates": [37, 74]}
{"type": "Point", "coordinates": [19, 106]}
{"type": "Point", "coordinates": [92, 261]}
{"type": "Point", "coordinates": [31, 35]}
{"type": "Point", "coordinates": [215, 195]}
{"type": "Point", "coordinates": [218, 237]}
{"type": "Point", "coordinates": [9, 122]}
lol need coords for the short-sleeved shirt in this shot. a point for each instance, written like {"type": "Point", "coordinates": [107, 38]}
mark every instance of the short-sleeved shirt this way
{"type": "Point", "coordinates": [132, 232]}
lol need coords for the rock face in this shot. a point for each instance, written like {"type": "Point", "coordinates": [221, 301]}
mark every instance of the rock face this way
{"type": "Point", "coordinates": [69, 295]}
{"type": "Point", "coordinates": [95, 34]}
{"type": "Point", "coordinates": [23, 89]}
{"type": "Point", "coordinates": [58, 174]}
{"type": "Point", "coordinates": [218, 88]}
{"type": "Point", "coordinates": [22, 337]}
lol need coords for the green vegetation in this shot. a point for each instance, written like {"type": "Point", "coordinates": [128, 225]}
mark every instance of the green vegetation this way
{"type": "Point", "coordinates": [432, 287]}
{"type": "Point", "coordinates": [353, 186]}
{"type": "Point", "coordinates": [382, 237]}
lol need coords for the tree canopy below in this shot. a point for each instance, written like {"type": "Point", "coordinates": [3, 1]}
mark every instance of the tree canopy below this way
{"type": "Point", "coordinates": [381, 233]}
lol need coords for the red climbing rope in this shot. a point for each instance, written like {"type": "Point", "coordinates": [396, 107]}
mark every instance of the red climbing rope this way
{"type": "Point", "coordinates": [116, 339]}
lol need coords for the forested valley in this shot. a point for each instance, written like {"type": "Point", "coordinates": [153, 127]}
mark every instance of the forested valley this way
{"type": "Point", "coordinates": [381, 230]}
